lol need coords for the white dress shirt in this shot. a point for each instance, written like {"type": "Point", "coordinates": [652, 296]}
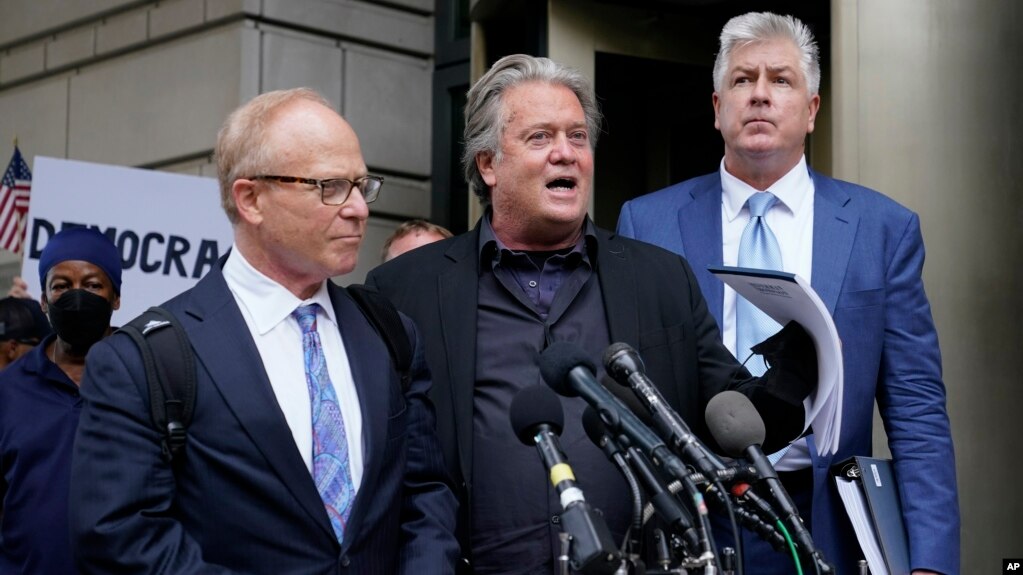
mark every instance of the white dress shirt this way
{"type": "Point", "coordinates": [266, 307]}
{"type": "Point", "coordinates": [791, 221]}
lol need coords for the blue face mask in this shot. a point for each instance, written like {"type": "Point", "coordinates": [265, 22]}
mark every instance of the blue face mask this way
{"type": "Point", "coordinates": [80, 318]}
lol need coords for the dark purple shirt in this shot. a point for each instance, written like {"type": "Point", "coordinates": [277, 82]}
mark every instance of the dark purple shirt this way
{"type": "Point", "coordinates": [526, 302]}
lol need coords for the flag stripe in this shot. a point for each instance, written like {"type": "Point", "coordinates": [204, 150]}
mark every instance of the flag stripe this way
{"type": "Point", "coordinates": [14, 201]}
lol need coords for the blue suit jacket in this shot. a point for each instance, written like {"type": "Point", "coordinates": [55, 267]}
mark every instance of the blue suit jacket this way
{"type": "Point", "coordinates": [868, 256]}
{"type": "Point", "coordinates": [241, 498]}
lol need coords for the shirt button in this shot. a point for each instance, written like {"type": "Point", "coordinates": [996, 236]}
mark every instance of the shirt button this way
{"type": "Point", "coordinates": [532, 283]}
{"type": "Point", "coordinates": [556, 519]}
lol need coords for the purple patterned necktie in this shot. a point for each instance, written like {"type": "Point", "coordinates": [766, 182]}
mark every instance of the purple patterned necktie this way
{"type": "Point", "coordinates": [330, 442]}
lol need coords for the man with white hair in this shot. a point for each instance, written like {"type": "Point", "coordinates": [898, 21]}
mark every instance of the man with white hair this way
{"type": "Point", "coordinates": [863, 254]}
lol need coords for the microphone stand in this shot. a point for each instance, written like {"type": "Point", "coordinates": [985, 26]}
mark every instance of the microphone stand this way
{"type": "Point", "coordinates": [632, 546]}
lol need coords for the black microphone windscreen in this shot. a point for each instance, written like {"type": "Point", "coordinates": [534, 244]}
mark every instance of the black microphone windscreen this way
{"type": "Point", "coordinates": [734, 422]}
{"type": "Point", "coordinates": [532, 407]}
{"type": "Point", "coordinates": [594, 426]}
{"type": "Point", "coordinates": [558, 360]}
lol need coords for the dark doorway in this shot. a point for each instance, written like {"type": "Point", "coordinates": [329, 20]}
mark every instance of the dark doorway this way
{"type": "Point", "coordinates": [658, 129]}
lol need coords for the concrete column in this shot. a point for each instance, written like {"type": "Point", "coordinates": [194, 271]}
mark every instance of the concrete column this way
{"type": "Point", "coordinates": [927, 110]}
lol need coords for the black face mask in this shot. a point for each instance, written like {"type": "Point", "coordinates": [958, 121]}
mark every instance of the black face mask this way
{"type": "Point", "coordinates": [80, 318]}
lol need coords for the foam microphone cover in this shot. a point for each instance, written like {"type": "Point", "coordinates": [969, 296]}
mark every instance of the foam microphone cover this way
{"type": "Point", "coordinates": [532, 407]}
{"type": "Point", "coordinates": [558, 360]}
{"type": "Point", "coordinates": [734, 422]}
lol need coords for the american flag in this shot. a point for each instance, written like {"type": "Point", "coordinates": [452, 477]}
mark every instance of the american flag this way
{"type": "Point", "coordinates": [14, 202]}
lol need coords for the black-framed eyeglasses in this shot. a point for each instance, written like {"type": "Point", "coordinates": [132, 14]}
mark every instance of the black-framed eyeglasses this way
{"type": "Point", "coordinates": [335, 191]}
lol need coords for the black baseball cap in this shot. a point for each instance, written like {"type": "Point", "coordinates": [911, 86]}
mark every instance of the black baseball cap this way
{"type": "Point", "coordinates": [22, 320]}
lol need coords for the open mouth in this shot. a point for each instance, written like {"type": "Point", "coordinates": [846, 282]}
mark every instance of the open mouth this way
{"type": "Point", "coordinates": [561, 184]}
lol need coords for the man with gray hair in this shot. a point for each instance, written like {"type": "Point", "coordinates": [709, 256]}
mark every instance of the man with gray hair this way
{"type": "Point", "coordinates": [863, 254]}
{"type": "Point", "coordinates": [535, 271]}
{"type": "Point", "coordinates": [307, 451]}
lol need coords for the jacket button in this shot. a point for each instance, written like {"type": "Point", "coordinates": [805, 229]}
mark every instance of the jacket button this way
{"type": "Point", "coordinates": [345, 561]}
{"type": "Point", "coordinates": [556, 519]}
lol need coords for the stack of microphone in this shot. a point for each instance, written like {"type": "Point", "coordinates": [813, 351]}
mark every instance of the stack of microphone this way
{"type": "Point", "coordinates": [670, 472]}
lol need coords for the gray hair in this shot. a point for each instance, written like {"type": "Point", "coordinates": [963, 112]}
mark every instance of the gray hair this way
{"type": "Point", "coordinates": [241, 150]}
{"type": "Point", "coordinates": [484, 112]}
{"type": "Point", "coordinates": [760, 26]}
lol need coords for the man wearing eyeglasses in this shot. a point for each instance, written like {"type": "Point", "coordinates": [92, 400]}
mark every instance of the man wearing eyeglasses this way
{"type": "Point", "coordinates": [305, 453]}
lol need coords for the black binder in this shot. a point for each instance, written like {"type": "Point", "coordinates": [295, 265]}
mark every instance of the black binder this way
{"type": "Point", "coordinates": [878, 514]}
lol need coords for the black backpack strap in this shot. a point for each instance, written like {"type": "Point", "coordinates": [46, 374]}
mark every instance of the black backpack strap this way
{"type": "Point", "coordinates": [170, 374]}
{"type": "Point", "coordinates": [384, 317]}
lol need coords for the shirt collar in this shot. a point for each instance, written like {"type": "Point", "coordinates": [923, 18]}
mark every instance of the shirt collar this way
{"type": "Point", "coordinates": [490, 247]}
{"type": "Point", "coordinates": [268, 302]}
{"type": "Point", "coordinates": [791, 190]}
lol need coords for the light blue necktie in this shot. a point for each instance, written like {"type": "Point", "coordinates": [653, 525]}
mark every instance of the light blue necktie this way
{"type": "Point", "coordinates": [331, 471]}
{"type": "Point", "coordinates": [758, 248]}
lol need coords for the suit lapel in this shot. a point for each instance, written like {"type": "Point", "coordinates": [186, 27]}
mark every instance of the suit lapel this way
{"type": "Point", "coordinates": [834, 229]}
{"type": "Point", "coordinates": [458, 296]}
{"type": "Point", "coordinates": [225, 349]}
{"type": "Point", "coordinates": [617, 284]}
{"type": "Point", "coordinates": [700, 228]}
{"type": "Point", "coordinates": [368, 359]}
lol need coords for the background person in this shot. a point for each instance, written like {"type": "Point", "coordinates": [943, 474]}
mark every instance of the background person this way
{"type": "Point", "coordinates": [863, 254]}
{"type": "Point", "coordinates": [80, 271]}
{"type": "Point", "coordinates": [22, 326]}
{"type": "Point", "coordinates": [410, 235]}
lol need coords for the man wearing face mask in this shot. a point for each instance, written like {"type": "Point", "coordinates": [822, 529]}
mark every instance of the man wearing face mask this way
{"type": "Point", "coordinates": [80, 275]}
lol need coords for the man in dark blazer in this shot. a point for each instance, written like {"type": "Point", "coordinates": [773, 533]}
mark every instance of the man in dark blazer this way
{"type": "Point", "coordinates": [535, 270]}
{"type": "Point", "coordinates": [305, 453]}
{"type": "Point", "coordinates": [866, 255]}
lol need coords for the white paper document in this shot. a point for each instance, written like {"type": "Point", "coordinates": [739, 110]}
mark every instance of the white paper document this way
{"type": "Point", "coordinates": [859, 515]}
{"type": "Point", "coordinates": [785, 297]}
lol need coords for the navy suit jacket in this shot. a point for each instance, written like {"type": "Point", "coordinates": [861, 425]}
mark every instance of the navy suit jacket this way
{"type": "Point", "coordinates": [868, 257]}
{"type": "Point", "coordinates": [437, 285]}
{"type": "Point", "coordinates": [241, 499]}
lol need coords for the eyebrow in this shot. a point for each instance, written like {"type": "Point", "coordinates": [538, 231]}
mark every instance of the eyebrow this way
{"type": "Point", "coordinates": [85, 277]}
{"type": "Point", "coordinates": [551, 125]}
{"type": "Point", "coordinates": [774, 69]}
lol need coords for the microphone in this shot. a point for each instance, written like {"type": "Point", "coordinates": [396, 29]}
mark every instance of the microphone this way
{"type": "Point", "coordinates": [623, 363]}
{"type": "Point", "coordinates": [739, 430]}
{"type": "Point", "coordinates": [763, 519]}
{"type": "Point", "coordinates": [661, 498]}
{"type": "Point", "coordinates": [597, 433]}
{"type": "Point", "coordinates": [568, 370]}
{"type": "Point", "coordinates": [599, 436]}
{"type": "Point", "coordinates": [537, 419]}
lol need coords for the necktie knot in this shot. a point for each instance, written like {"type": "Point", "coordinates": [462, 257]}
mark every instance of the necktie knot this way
{"type": "Point", "coordinates": [305, 315]}
{"type": "Point", "coordinates": [759, 203]}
